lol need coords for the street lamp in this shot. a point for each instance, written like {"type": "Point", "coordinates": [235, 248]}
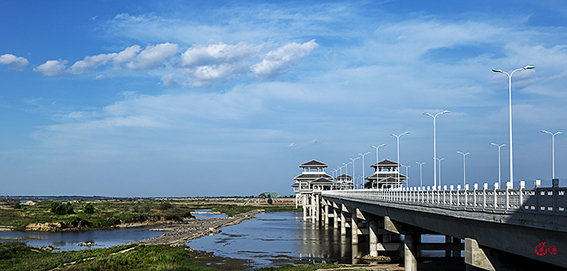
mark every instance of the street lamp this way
{"type": "Point", "coordinates": [346, 170]}
{"type": "Point", "coordinates": [529, 67]}
{"type": "Point", "coordinates": [440, 159]}
{"type": "Point", "coordinates": [499, 174]}
{"type": "Point", "coordinates": [434, 116]}
{"type": "Point", "coordinates": [552, 150]}
{"type": "Point", "coordinates": [398, 151]}
{"type": "Point", "coordinates": [420, 173]}
{"type": "Point", "coordinates": [464, 166]}
{"type": "Point", "coordinates": [380, 146]}
{"type": "Point", "coordinates": [362, 155]}
{"type": "Point", "coordinates": [407, 174]}
{"type": "Point", "coordinates": [353, 175]}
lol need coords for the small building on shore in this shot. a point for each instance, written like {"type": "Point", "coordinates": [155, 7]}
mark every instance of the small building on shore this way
{"type": "Point", "coordinates": [386, 175]}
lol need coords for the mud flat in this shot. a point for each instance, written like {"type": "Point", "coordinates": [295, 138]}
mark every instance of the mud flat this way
{"type": "Point", "coordinates": [185, 232]}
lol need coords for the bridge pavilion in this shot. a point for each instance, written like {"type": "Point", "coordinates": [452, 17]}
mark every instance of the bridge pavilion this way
{"type": "Point", "coordinates": [385, 175]}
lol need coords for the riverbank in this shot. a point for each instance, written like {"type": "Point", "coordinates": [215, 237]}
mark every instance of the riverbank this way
{"type": "Point", "coordinates": [79, 215]}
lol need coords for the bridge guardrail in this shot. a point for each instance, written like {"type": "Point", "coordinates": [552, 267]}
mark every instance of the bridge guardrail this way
{"type": "Point", "coordinates": [551, 200]}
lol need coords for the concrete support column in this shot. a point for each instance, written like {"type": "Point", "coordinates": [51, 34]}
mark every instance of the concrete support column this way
{"type": "Point", "coordinates": [343, 221]}
{"type": "Point", "coordinates": [304, 205]}
{"type": "Point", "coordinates": [354, 228]}
{"type": "Point", "coordinates": [335, 218]}
{"type": "Point", "coordinates": [410, 251]}
{"type": "Point", "coordinates": [326, 213]}
{"type": "Point", "coordinates": [475, 257]}
{"type": "Point", "coordinates": [373, 237]}
{"type": "Point", "coordinates": [313, 208]}
{"type": "Point", "coordinates": [317, 207]}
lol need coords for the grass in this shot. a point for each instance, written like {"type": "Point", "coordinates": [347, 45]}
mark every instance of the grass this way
{"type": "Point", "coordinates": [17, 256]}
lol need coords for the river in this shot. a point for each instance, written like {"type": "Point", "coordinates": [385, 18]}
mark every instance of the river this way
{"type": "Point", "coordinates": [269, 239]}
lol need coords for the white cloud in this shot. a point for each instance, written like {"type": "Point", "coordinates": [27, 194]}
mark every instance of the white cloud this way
{"type": "Point", "coordinates": [217, 53]}
{"type": "Point", "coordinates": [51, 67]}
{"type": "Point", "coordinates": [90, 62]}
{"type": "Point", "coordinates": [15, 62]}
{"type": "Point", "coordinates": [153, 56]}
{"type": "Point", "coordinates": [282, 57]}
{"type": "Point", "coordinates": [169, 80]}
{"type": "Point", "coordinates": [210, 74]}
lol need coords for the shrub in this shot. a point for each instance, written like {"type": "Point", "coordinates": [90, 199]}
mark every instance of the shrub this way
{"type": "Point", "coordinates": [61, 208]}
{"type": "Point", "coordinates": [89, 208]}
{"type": "Point", "coordinates": [270, 201]}
{"type": "Point", "coordinates": [165, 205]}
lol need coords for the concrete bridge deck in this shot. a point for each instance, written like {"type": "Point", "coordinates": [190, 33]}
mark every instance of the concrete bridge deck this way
{"type": "Point", "coordinates": [493, 222]}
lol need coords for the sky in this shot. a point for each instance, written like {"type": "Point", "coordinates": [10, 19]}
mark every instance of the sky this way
{"type": "Point", "coordinates": [194, 98]}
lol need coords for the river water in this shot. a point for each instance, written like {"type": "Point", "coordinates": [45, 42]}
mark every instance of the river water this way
{"type": "Point", "coordinates": [69, 240]}
{"type": "Point", "coordinates": [269, 239]}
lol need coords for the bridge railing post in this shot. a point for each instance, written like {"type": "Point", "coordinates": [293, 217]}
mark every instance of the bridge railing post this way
{"type": "Point", "coordinates": [451, 187]}
{"type": "Point", "coordinates": [495, 195]}
{"type": "Point", "coordinates": [458, 195]}
{"type": "Point", "coordinates": [537, 193]}
{"type": "Point", "coordinates": [466, 195]}
{"type": "Point", "coordinates": [475, 187]}
{"type": "Point", "coordinates": [508, 188]}
{"type": "Point", "coordinates": [521, 195]}
{"type": "Point", "coordinates": [484, 188]}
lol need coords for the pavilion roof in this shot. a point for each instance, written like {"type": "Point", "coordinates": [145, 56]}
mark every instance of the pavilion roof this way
{"type": "Point", "coordinates": [322, 181]}
{"type": "Point", "coordinates": [386, 163]}
{"type": "Point", "coordinates": [384, 175]}
{"type": "Point", "coordinates": [312, 176]}
{"type": "Point", "coordinates": [313, 163]}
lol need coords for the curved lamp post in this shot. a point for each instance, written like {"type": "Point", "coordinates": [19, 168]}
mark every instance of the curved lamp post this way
{"type": "Point", "coordinates": [362, 155]}
{"type": "Point", "coordinates": [398, 151]}
{"type": "Point", "coordinates": [529, 67]}
{"type": "Point", "coordinates": [434, 116]}
{"type": "Point", "coordinates": [420, 173]}
{"type": "Point", "coordinates": [499, 172]}
{"type": "Point", "coordinates": [464, 166]}
{"type": "Point", "coordinates": [440, 159]}
{"type": "Point", "coordinates": [552, 150]}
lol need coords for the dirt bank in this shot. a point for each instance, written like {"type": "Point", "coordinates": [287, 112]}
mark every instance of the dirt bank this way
{"type": "Point", "coordinates": [185, 232]}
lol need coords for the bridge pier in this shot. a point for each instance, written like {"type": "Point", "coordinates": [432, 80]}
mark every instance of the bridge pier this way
{"type": "Point", "coordinates": [326, 212]}
{"type": "Point", "coordinates": [411, 251]}
{"type": "Point", "coordinates": [373, 237]}
{"type": "Point", "coordinates": [343, 220]}
{"type": "Point", "coordinates": [335, 217]}
{"type": "Point", "coordinates": [304, 205]}
{"type": "Point", "coordinates": [354, 227]}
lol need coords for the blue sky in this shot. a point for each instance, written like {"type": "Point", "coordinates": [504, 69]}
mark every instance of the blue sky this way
{"type": "Point", "coordinates": [177, 98]}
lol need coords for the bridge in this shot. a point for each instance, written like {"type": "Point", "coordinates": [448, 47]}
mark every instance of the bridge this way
{"type": "Point", "coordinates": [498, 228]}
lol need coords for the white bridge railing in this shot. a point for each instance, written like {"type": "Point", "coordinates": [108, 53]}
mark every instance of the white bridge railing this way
{"type": "Point", "coordinates": [552, 200]}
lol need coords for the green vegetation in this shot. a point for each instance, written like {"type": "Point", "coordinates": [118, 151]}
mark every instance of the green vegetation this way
{"type": "Point", "coordinates": [95, 214]}
{"type": "Point", "coordinates": [61, 208]}
{"type": "Point", "coordinates": [18, 256]}
{"type": "Point", "coordinates": [89, 208]}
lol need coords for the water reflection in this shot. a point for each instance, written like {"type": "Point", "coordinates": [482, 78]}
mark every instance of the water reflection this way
{"type": "Point", "coordinates": [276, 239]}
{"type": "Point", "coordinates": [69, 240]}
